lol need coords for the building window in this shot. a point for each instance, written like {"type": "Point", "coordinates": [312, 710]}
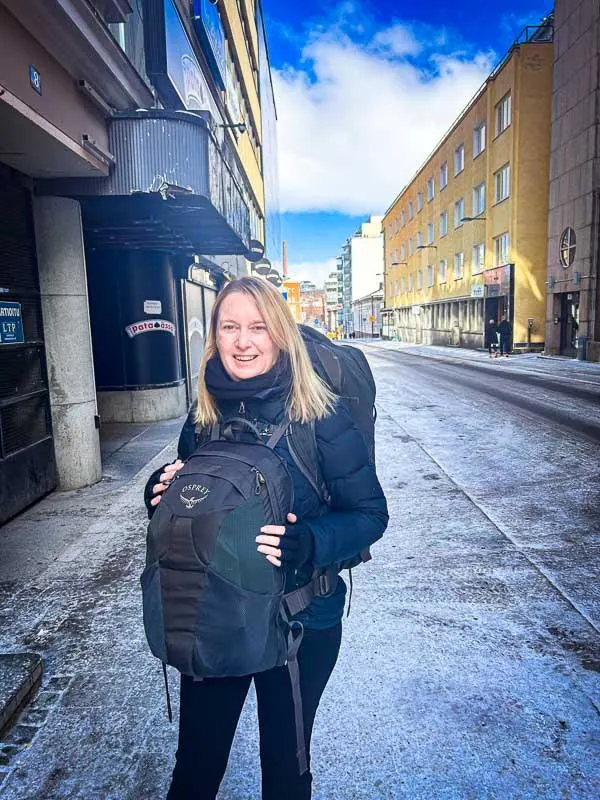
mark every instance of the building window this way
{"type": "Point", "coordinates": [459, 264]}
{"type": "Point", "coordinates": [430, 232]}
{"type": "Point", "coordinates": [568, 247]}
{"type": "Point", "coordinates": [478, 139]}
{"type": "Point", "coordinates": [419, 201]}
{"type": "Point", "coordinates": [430, 275]}
{"type": "Point", "coordinates": [459, 212]}
{"type": "Point", "coordinates": [420, 279]}
{"type": "Point", "coordinates": [430, 189]}
{"type": "Point", "coordinates": [411, 212]}
{"type": "Point", "coordinates": [444, 175]}
{"type": "Point", "coordinates": [419, 238]}
{"type": "Point", "coordinates": [501, 249]}
{"type": "Point", "coordinates": [502, 183]}
{"type": "Point", "coordinates": [410, 247]}
{"type": "Point", "coordinates": [479, 200]}
{"type": "Point", "coordinates": [410, 282]}
{"type": "Point", "coordinates": [403, 218]}
{"type": "Point", "coordinates": [459, 159]}
{"type": "Point", "coordinates": [503, 114]}
{"type": "Point", "coordinates": [402, 252]}
{"type": "Point", "coordinates": [478, 258]}
{"type": "Point", "coordinates": [442, 274]}
{"type": "Point", "coordinates": [443, 223]}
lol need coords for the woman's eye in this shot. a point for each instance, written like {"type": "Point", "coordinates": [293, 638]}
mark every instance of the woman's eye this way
{"type": "Point", "coordinates": [259, 328]}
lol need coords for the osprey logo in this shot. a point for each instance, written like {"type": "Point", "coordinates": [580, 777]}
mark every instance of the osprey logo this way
{"type": "Point", "coordinates": [192, 494]}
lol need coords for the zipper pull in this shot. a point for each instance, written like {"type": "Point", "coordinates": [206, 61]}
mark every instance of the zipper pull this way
{"type": "Point", "coordinates": [260, 480]}
{"type": "Point", "coordinates": [242, 411]}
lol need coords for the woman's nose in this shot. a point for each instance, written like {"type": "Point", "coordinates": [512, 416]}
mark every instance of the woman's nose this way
{"type": "Point", "coordinates": [243, 340]}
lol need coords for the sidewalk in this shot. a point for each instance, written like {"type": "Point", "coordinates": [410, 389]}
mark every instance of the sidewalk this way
{"type": "Point", "coordinates": [553, 366]}
{"type": "Point", "coordinates": [39, 554]}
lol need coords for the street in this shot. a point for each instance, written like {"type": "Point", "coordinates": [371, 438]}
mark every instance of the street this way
{"type": "Point", "coordinates": [470, 661]}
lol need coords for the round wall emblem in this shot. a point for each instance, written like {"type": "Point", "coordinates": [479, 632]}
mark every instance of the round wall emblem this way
{"type": "Point", "coordinates": [568, 246]}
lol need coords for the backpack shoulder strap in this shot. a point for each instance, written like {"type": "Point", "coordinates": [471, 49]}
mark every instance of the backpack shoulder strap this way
{"type": "Point", "coordinates": [330, 366]}
{"type": "Point", "coordinates": [302, 444]}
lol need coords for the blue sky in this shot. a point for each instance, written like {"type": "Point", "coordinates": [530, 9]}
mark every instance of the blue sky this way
{"type": "Point", "coordinates": [364, 91]}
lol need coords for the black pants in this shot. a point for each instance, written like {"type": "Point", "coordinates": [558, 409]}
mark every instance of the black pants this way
{"type": "Point", "coordinates": [504, 346]}
{"type": "Point", "coordinates": [210, 710]}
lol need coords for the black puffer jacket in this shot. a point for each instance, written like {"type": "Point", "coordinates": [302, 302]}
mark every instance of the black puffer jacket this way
{"type": "Point", "coordinates": [357, 513]}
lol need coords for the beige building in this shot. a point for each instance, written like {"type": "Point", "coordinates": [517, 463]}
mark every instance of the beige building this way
{"type": "Point", "coordinates": [573, 307]}
{"type": "Point", "coordinates": [465, 241]}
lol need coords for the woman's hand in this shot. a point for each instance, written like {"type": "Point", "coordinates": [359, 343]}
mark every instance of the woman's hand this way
{"type": "Point", "coordinates": [165, 479]}
{"type": "Point", "coordinates": [290, 545]}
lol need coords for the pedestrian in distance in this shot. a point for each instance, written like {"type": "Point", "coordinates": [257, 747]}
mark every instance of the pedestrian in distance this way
{"type": "Point", "coordinates": [505, 331]}
{"type": "Point", "coordinates": [256, 368]}
{"type": "Point", "coordinates": [491, 338]}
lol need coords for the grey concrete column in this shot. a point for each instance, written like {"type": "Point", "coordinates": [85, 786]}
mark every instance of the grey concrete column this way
{"type": "Point", "coordinates": [63, 289]}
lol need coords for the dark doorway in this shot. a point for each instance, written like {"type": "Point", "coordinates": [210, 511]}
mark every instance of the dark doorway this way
{"type": "Point", "coordinates": [569, 323]}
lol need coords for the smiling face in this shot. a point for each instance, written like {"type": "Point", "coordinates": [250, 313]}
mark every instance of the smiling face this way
{"type": "Point", "coordinates": [243, 341]}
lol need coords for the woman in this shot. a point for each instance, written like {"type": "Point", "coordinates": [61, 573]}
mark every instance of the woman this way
{"type": "Point", "coordinates": [255, 365]}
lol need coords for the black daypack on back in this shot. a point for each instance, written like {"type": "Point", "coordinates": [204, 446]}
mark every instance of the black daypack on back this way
{"type": "Point", "coordinates": [346, 371]}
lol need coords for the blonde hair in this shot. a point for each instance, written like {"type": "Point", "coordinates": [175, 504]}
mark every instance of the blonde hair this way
{"type": "Point", "coordinates": [309, 398]}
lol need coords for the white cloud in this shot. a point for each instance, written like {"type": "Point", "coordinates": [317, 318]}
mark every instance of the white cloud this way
{"type": "Point", "coordinates": [398, 40]}
{"type": "Point", "coordinates": [315, 271]}
{"type": "Point", "coordinates": [357, 119]}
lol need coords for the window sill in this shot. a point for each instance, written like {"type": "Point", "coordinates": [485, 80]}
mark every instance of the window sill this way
{"type": "Point", "coordinates": [499, 202]}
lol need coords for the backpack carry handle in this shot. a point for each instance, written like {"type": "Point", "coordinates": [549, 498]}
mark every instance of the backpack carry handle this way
{"type": "Point", "coordinates": [228, 429]}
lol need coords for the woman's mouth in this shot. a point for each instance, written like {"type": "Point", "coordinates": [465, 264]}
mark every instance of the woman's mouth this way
{"type": "Point", "coordinates": [245, 359]}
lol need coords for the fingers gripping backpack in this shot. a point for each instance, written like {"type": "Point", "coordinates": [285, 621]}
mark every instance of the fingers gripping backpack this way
{"type": "Point", "coordinates": [213, 606]}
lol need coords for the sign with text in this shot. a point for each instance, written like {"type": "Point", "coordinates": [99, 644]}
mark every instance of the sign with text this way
{"type": "Point", "coordinates": [210, 32]}
{"type": "Point", "coordinates": [11, 323]}
{"type": "Point", "coordinates": [497, 281]}
{"type": "Point", "coordinates": [478, 290]}
{"type": "Point", "coordinates": [150, 326]}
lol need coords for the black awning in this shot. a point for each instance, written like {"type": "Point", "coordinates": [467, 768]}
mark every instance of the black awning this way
{"type": "Point", "coordinates": [170, 188]}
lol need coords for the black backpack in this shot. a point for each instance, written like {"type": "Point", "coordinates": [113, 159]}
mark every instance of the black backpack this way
{"type": "Point", "coordinates": [212, 605]}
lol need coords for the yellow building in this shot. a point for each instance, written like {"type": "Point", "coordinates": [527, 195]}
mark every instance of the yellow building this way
{"type": "Point", "coordinates": [292, 295]}
{"type": "Point", "coordinates": [465, 241]}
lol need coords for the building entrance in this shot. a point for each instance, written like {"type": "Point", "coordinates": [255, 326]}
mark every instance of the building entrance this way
{"type": "Point", "coordinates": [569, 323]}
{"type": "Point", "coordinates": [27, 461]}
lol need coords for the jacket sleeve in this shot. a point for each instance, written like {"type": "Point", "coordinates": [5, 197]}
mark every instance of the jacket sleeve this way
{"type": "Point", "coordinates": [185, 447]}
{"type": "Point", "coordinates": [357, 515]}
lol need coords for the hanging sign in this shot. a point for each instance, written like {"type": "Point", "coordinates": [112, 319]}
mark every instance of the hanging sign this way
{"type": "Point", "coordinates": [148, 326]}
{"type": "Point", "coordinates": [11, 324]}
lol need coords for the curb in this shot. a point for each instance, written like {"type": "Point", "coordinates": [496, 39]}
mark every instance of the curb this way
{"type": "Point", "coordinates": [20, 678]}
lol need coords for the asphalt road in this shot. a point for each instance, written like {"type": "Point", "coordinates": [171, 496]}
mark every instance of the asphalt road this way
{"type": "Point", "coordinates": [470, 664]}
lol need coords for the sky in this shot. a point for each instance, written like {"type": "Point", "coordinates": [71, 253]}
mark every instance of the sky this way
{"type": "Point", "coordinates": [364, 91]}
